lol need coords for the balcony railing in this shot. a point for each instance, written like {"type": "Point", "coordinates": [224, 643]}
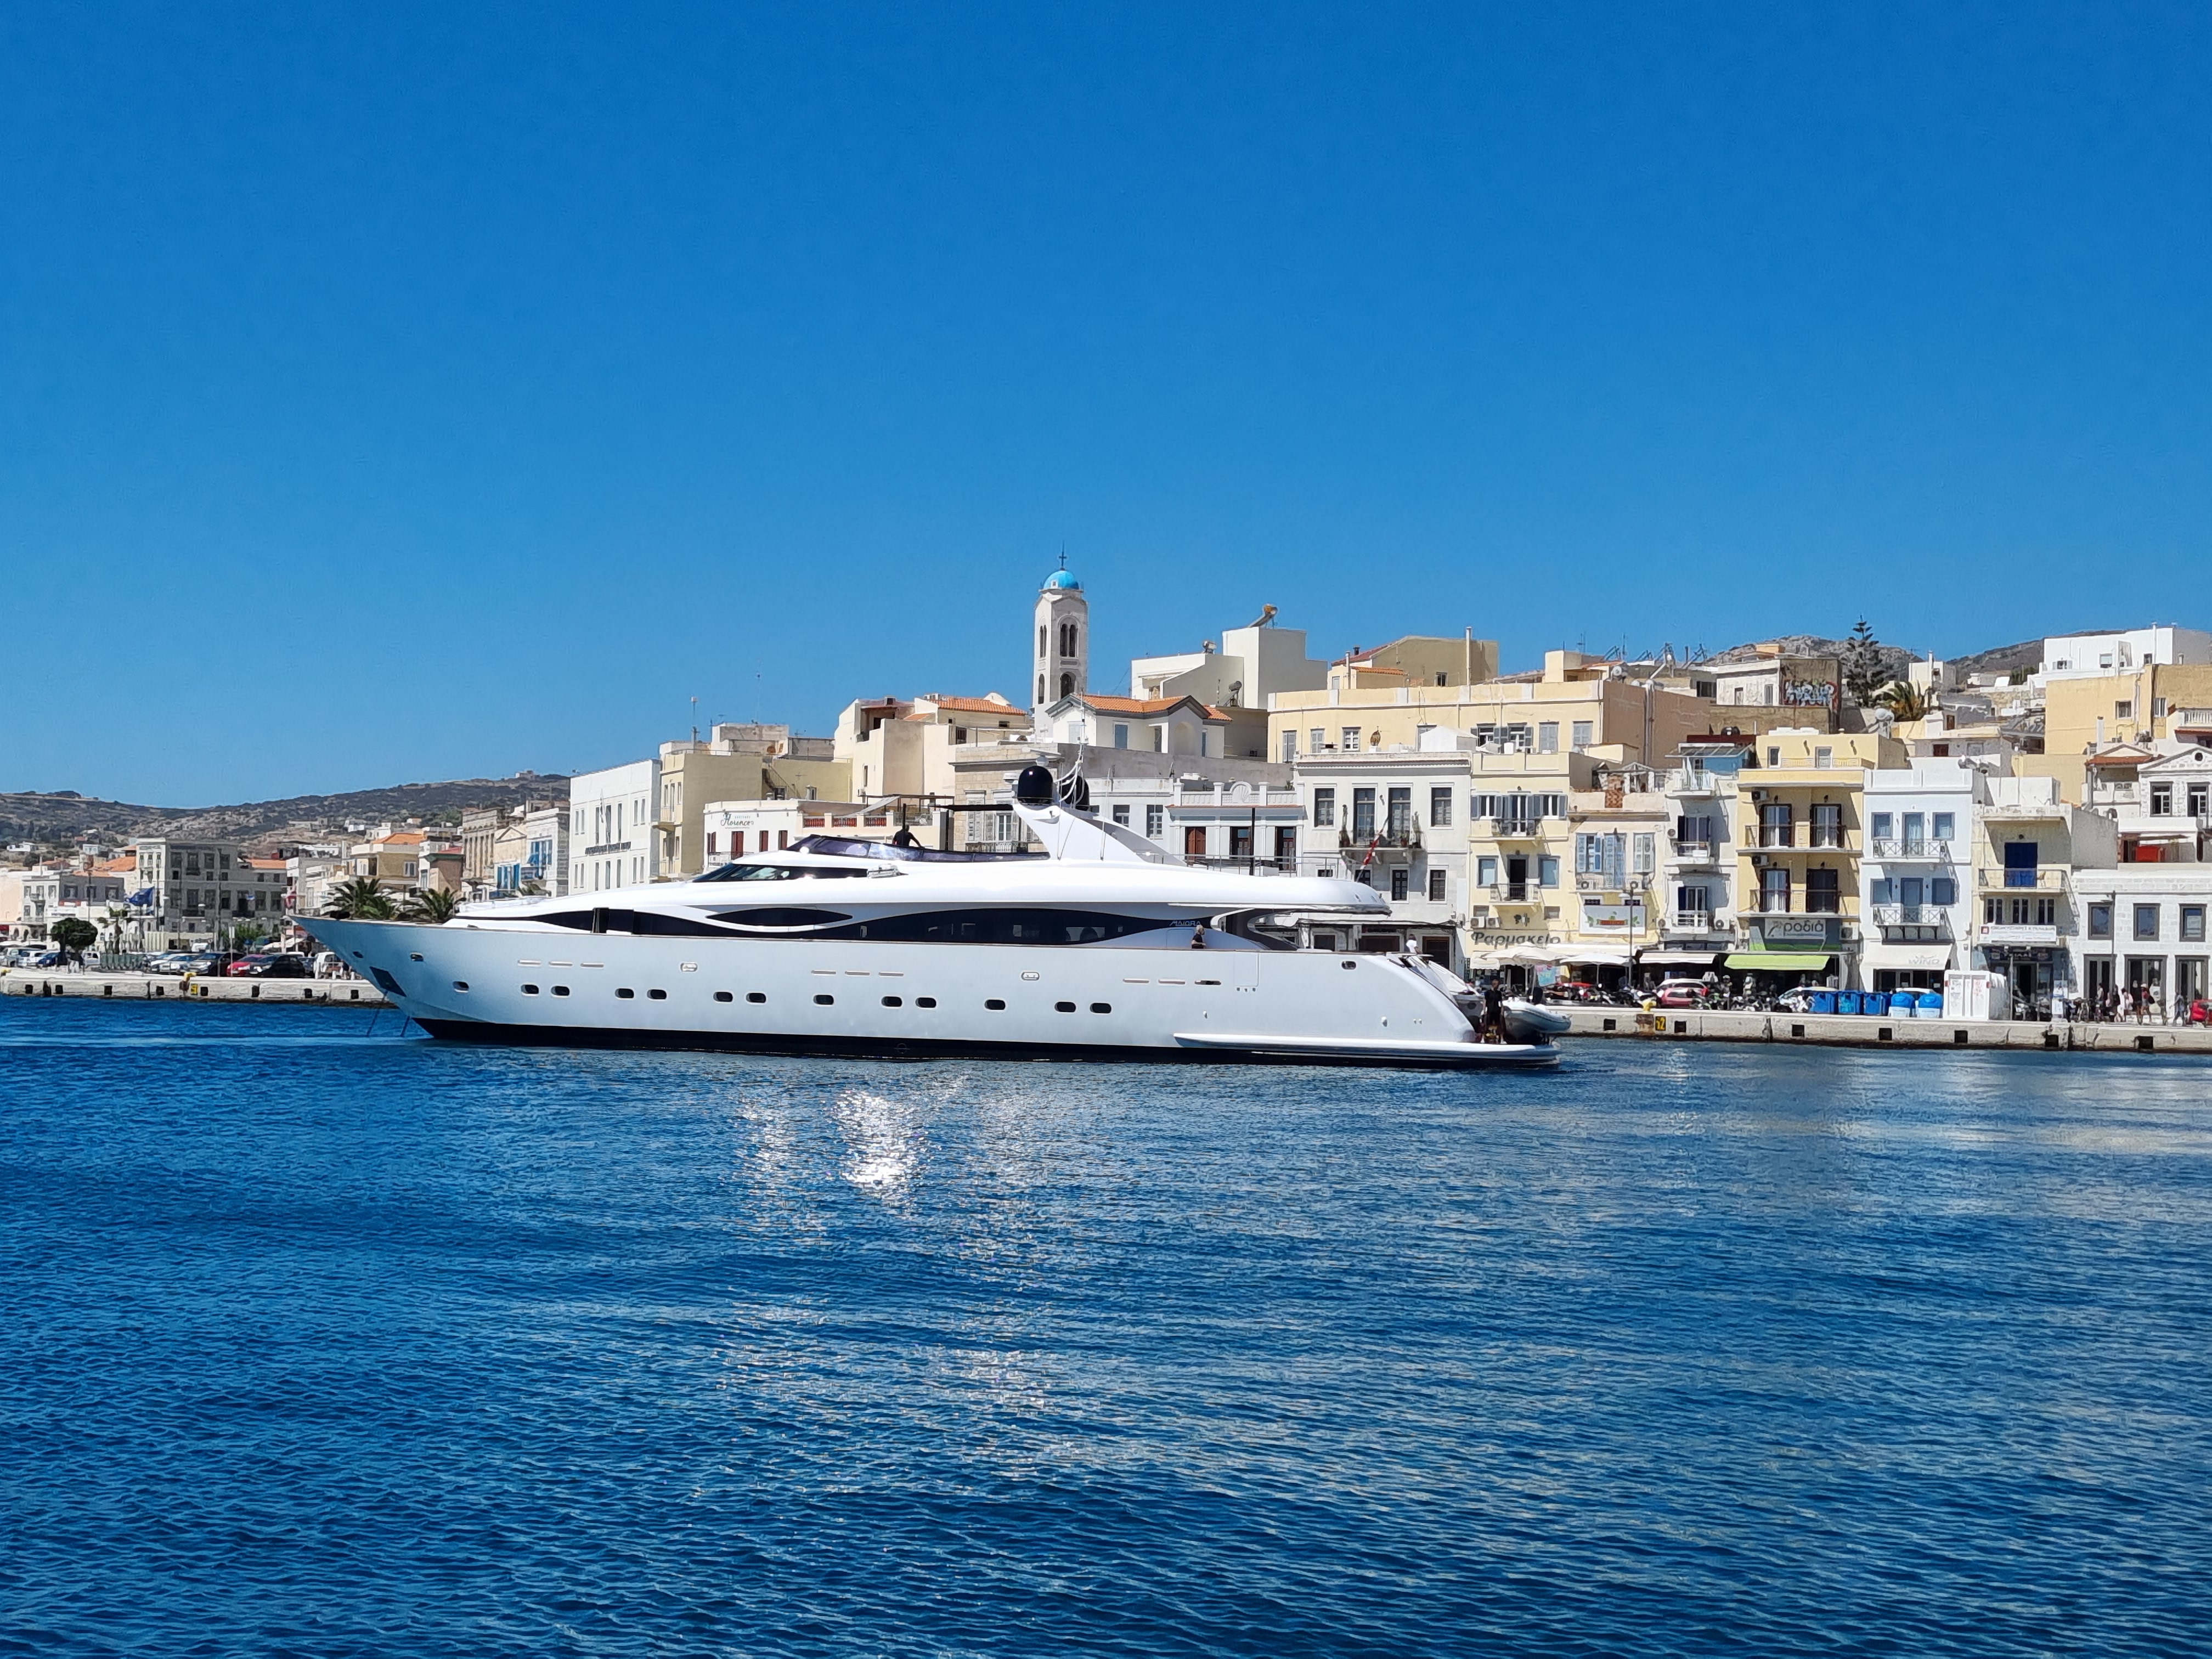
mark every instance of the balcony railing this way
{"type": "Point", "coordinates": [1514, 829]}
{"type": "Point", "coordinates": [1935, 852]}
{"type": "Point", "coordinates": [1777, 834]}
{"type": "Point", "coordinates": [1933, 919]}
{"type": "Point", "coordinates": [2044, 878]}
{"type": "Point", "coordinates": [1606, 881]}
{"type": "Point", "coordinates": [1693, 921]}
{"type": "Point", "coordinates": [1516, 892]}
{"type": "Point", "coordinates": [1695, 852]}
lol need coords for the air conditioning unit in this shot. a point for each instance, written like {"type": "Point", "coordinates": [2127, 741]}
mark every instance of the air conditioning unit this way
{"type": "Point", "coordinates": [1758, 794]}
{"type": "Point", "coordinates": [1759, 860]}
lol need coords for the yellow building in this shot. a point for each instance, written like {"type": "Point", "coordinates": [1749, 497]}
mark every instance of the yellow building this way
{"type": "Point", "coordinates": [1801, 794]}
{"type": "Point", "coordinates": [741, 762]}
{"type": "Point", "coordinates": [2155, 701]}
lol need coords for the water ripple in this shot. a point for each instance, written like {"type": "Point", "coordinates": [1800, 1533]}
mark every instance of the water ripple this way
{"type": "Point", "coordinates": [324, 1342]}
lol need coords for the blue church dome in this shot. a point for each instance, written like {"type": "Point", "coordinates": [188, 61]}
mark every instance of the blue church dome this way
{"type": "Point", "coordinates": [1064, 581]}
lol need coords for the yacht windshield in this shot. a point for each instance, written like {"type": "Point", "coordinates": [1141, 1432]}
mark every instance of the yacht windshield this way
{"type": "Point", "coordinates": [775, 872]}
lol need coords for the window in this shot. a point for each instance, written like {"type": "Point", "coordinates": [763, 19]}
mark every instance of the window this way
{"type": "Point", "coordinates": [1640, 854]}
{"type": "Point", "coordinates": [1942, 889]}
{"type": "Point", "coordinates": [1773, 755]}
{"type": "Point", "coordinates": [1823, 759]}
{"type": "Point", "coordinates": [2124, 710]}
{"type": "Point", "coordinates": [1290, 746]}
{"type": "Point", "coordinates": [1436, 893]}
{"type": "Point", "coordinates": [1774, 891]}
{"type": "Point", "coordinates": [1944, 826]}
{"type": "Point", "coordinates": [1156, 818]}
{"type": "Point", "coordinates": [2161, 800]}
{"type": "Point", "coordinates": [2046, 913]}
{"type": "Point", "coordinates": [1440, 805]}
{"type": "Point", "coordinates": [1547, 737]}
{"type": "Point", "coordinates": [2146, 921]}
{"type": "Point", "coordinates": [1398, 883]}
{"type": "Point", "coordinates": [1159, 739]}
{"type": "Point", "coordinates": [1547, 869]}
{"type": "Point", "coordinates": [1485, 872]}
{"type": "Point", "coordinates": [2196, 799]}
{"type": "Point", "coordinates": [1348, 739]}
{"type": "Point", "coordinates": [1582, 733]}
{"type": "Point", "coordinates": [1121, 816]}
{"type": "Point", "coordinates": [1823, 892]}
{"type": "Point", "coordinates": [2192, 924]}
{"type": "Point", "coordinates": [1324, 808]}
{"type": "Point", "coordinates": [1916, 832]}
{"type": "Point", "coordinates": [1775, 826]}
{"type": "Point", "coordinates": [1828, 824]}
{"type": "Point", "coordinates": [1693, 900]}
{"type": "Point", "coordinates": [1122, 739]}
{"type": "Point", "coordinates": [1314, 742]}
{"type": "Point", "coordinates": [1694, 829]}
{"type": "Point", "coordinates": [1363, 815]}
{"type": "Point", "coordinates": [1400, 822]}
{"type": "Point", "coordinates": [1878, 826]}
{"type": "Point", "coordinates": [1884, 892]}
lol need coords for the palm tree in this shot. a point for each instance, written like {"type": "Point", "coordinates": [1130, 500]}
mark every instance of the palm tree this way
{"type": "Point", "coordinates": [1904, 701]}
{"type": "Point", "coordinates": [359, 898]}
{"type": "Point", "coordinates": [436, 905]}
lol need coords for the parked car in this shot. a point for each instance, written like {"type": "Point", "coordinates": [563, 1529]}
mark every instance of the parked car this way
{"type": "Point", "coordinates": [1798, 999]}
{"type": "Point", "coordinates": [270, 965]}
{"type": "Point", "coordinates": [170, 962]}
{"type": "Point", "coordinates": [1682, 993]}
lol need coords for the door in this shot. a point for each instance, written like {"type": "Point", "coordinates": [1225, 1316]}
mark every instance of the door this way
{"type": "Point", "coordinates": [2020, 857]}
{"type": "Point", "coordinates": [1910, 891]}
{"type": "Point", "coordinates": [1516, 877]}
{"type": "Point", "coordinates": [1194, 841]}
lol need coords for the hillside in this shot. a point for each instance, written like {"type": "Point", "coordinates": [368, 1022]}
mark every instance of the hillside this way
{"type": "Point", "coordinates": [68, 817]}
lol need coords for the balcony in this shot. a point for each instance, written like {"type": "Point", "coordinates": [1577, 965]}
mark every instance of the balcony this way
{"type": "Point", "coordinates": [1609, 881]}
{"type": "Point", "coordinates": [1696, 922]}
{"type": "Point", "coordinates": [1391, 848]}
{"type": "Point", "coordinates": [1515, 892]}
{"type": "Point", "coordinates": [1912, 924]}
{"type": "Point", "coordinates": [2044, 878]}
{"type": "Point", "coordinates": [1697, 855]}
{"type": "Point", "coordinates": [1511, 829]}
{"type": "Point", "coordinates": [1696, 780]}
{"type": "Point", "coordinates": [1934, 852]}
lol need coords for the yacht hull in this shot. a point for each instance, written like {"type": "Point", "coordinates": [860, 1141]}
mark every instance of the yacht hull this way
{"type": "Point", "coordinates": [885, 999]}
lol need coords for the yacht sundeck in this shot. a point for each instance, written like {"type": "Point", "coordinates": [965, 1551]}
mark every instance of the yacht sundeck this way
{"type": "Point", "coordinates": [1104, 948]}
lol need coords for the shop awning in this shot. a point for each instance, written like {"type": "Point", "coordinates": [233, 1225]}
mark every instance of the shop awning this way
{"type": "Point", "coordinates": [1595, 956]}
{"type": "Point", "coordinates": [1679, 958]}
{"type": "Point", "coordinates": [1916, 958]}
{"type": "Point", "coordinates": [1780, 962]}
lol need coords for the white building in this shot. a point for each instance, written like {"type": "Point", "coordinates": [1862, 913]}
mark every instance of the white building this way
{"type": "Point", "coordinates": [1916, 895]}
{"type": "Point", "coordinates": [2159, 798]}
{"type": "Point", "coordinates": [612, 839]}
{"type": "Point", "coordinates": [1252, 666]}
{"type": "Point", "coordinates": [736, 829]}
{"type": "Point", "coordinates": [2086, 656]}
{"type": "Point", "coordinates": [1697, 866]}
{"type": "Point", "coordinates": [195, 888]}
{"type": "Point", "coordinates": [1393, 818]}
{"type": "Point", "coordinates": [2144, 936]}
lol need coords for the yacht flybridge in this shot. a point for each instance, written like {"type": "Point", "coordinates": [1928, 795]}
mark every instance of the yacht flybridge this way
{"type": "Point", "coordinates": [1104, 948]}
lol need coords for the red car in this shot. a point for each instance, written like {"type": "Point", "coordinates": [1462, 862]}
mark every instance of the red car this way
{"type": "Point", "coordinates": [1682, 993]}
{"type": "Point", "coordinates": [270, 965]}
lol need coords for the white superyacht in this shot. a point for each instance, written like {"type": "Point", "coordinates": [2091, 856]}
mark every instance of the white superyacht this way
{"type": "Point", "coordinates": [1104, 948]}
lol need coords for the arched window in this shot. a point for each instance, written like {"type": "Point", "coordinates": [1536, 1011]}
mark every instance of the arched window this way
{"type": "Point", "coordinates": [1040, 690]}
{"type": "Point", "coordinates": [1067, 685]}
{"type": "Point", "coordinates": [1067, 639]}
{"type": "Point", "coordinates": [1040, 639]}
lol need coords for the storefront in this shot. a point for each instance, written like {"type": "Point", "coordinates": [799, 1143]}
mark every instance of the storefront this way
{"type": "Point", "coordinates": [1787, 950]}
{"type": "Point", "coordinates": [1906, 967]}
{"type": "Point", "coordinates": [1780, 970]}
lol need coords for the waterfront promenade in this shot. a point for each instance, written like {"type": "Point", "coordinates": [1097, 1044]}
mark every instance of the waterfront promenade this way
{"type": "Point", "coordinates": [157, 987]}
{"type": "Point", "coordinates": [1873, 1031]}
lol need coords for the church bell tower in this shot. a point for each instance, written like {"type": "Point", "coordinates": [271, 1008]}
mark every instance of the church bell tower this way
{"type": "Point", "coordinates": [1063, 638]}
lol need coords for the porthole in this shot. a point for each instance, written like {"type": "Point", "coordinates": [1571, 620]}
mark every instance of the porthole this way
{"type": "Point", "coordinates": [824, 1000]}
{"type": "Point", "coordinates": [1064, 1007]}
{"type": "Point", "coordinates": [1102, 1007]}
{"type": "Point", "coordinates": [657, 996]}
{"type": "Point", "coordinates": [461, 985]}
{"type": "Point", "coordinates": [995, 1004]}
{"type": "Point", "coordinates": [529, 990]}
{"type": "Point", "coordinates": [755, 996]}
{"type": "Point", "coordinates": [625, 992]}
{"type": "Point", "coordinates": [559, 990]}
{"type": "Point", "coordinates": [1347, 965]}
{"type": "Point", "coordinates": [925, 1002]}
{"type": "Point", "coordinates": [724, 996]}
{"type": "Point", "coordinates": [415, 955]}
{"type": "Point", "coordinates": [894, 1002]}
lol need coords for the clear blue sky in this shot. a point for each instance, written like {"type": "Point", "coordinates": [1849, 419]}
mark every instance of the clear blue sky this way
{"type": "Point", "coordinates": [393, 393]}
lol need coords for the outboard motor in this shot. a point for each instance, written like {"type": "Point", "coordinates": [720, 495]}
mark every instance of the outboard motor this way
{"type": "Point", "coordinates": [1034, 787]}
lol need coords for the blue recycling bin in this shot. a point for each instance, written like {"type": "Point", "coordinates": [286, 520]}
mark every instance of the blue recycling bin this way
{"type": "Point", "coordinates": [1824, 1002]}
{"type": "Point", "coordinates": [1931, 1004]}
{"type": "Point", "coordinates": [1903, 1003]}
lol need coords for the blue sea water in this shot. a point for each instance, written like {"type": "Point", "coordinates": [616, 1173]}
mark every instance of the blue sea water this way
{"type": "Point", "coordinates": [320, 1341]}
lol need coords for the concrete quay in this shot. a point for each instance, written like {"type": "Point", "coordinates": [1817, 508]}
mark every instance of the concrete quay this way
{"type": "Point", "coordinates": [1873, 1031]}
{"type": "Point", "coordinates": [154, 987]}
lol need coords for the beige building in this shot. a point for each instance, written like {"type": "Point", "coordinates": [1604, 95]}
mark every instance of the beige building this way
{"type": "Point", "coordinates": [737, 828]}
{"type": "Point", "coordinates": [738, 762]}
{"type": "Point", "coordinates": [1803, 832]}
{"type": "Point", "coordinates": [2151, 703]}
{"type": "Point", "coordinates": [893, 747]}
